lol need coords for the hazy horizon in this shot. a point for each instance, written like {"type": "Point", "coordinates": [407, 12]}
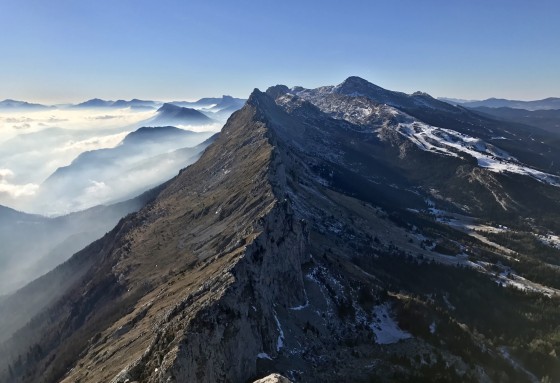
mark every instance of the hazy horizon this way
{"type": "Point", "coordinates": [68, 51]}
{"type": "Point", "coordinates": [93, 97]}
{"type": "Point", "coordinates": [244, 96]}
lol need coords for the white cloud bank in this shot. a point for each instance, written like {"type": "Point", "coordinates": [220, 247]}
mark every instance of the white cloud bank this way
{"type": "Point", "coordinates": [14, 190]}
{"type": "Point", "coordinates": [93, 143]}
{"type": "Point", "coordinates": [54, 138]}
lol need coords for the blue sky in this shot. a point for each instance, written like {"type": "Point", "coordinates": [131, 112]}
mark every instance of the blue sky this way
{"type": "Point", "coordinates": [70, 50]}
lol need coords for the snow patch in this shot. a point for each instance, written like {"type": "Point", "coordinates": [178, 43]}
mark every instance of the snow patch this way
{"type": "Point", "coordinates": [450, 143]}
{"type": "Point", "coordinates": [280, 341]}
{"type": "Point", "coordinates": [385, 328]}
{"type": "Point", "coordinates": [549, 240]}
{"type": "Point", "coordinates": [433, 328]}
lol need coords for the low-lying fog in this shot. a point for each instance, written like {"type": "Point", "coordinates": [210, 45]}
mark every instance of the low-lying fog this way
{"type": "Point", "coordinates": [34, 144]}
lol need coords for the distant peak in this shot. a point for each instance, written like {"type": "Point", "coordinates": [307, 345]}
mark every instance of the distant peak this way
{"type": "Point", "coordinates": [357, 86]}
{"type": "Point", "coordinates": [95, 102]}
{"type": "Point", "coordinates": [170, 114]}
{"type": "Point", "coordinates": [168, 106]}
{"type": "Point", "coordinates": [355, 80]}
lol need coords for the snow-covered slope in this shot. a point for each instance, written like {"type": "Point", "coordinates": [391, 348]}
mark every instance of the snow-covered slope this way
{"type": "Point", "coordinates": [451, 143]}
{"type": "Point", "coordinates": [368, 105]}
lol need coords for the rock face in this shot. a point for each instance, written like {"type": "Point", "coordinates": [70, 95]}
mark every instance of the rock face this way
{"type": "Point", "coordinates": [308, 240]}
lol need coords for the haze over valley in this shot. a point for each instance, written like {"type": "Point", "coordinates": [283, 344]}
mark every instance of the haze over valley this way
{"type": "Point", "coordinates": [35, 142]}
{"type": "Point", "coordinates": [71, 172]}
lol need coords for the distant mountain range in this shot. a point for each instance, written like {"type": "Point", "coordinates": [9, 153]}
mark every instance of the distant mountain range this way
{"type": "Point", "coordinates": [547, 119]}
{"type": "Point", "coordinates": [22, 105]}
{"type": "Point", "coordinates": [134, 103]}
{"type": "Point", "coordinates": [547, 103]}
{"type": "Point", "coordinates": [63, 144]}
{"type": "Point", "coordinates": [543, 114]}
{"type": "Point", "coordinates": [215, 103]}
{"type": "Point", "coordinates": [215, 106]}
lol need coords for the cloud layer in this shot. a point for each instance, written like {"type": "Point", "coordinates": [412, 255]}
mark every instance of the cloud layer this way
{"type": "Point", "coordinates": [12, 191]}
{"type": "Point", "coordinates": [33, 145]}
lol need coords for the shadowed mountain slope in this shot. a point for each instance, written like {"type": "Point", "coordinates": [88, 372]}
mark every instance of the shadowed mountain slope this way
{"type": "Point", "coordinates": [54, 241]}
{"type": "Point", "coordinates": [548, 120]}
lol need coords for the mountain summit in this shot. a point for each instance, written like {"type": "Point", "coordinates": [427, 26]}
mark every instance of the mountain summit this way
{"type": "Point", "coordinates": [358, 86]}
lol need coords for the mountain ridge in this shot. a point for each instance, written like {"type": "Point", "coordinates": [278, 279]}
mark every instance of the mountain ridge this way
{"type": "Point", "coordinates": [100, 103]}
{"type": "Point", "coordinates": [314, 236]}
{"type": "Point", "coordinates": [240, 369]}
{"type": "Point", "coordinates": [14, 104]}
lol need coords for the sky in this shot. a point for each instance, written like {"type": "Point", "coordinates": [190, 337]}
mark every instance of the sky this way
{"type": "Point", "coordinates": [70, 50]}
